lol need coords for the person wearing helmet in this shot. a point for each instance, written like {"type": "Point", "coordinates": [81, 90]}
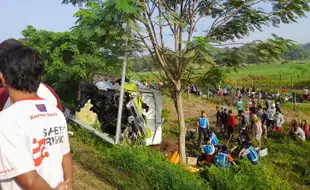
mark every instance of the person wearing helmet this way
{"type": "Point", "coordinates": [206, 158]}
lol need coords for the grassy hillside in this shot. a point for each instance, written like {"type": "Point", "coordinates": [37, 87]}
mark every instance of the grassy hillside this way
{"type": "Point", "coordinates": [100, 166]}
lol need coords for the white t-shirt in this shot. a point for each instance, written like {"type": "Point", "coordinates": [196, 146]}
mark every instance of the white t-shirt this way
{"type": "Point", "coordinates": [33, 136]}
{"type": "Point", "coordinates": [300, 133]}
{"type": "Point", "coordinates": [42, 92]}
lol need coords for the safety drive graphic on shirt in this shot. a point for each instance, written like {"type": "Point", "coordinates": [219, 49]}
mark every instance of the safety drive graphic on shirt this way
{"type": "Point", "coordinates": [52, 136]}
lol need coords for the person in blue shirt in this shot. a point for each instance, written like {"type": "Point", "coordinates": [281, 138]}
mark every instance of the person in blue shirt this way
{"type": "Point", "coordinates": [203, 125]}
{"type": "Point", "coordinates": [213, 139]}
{"type": "Point", "coordinates": [207, 156]}
{"type": "Point", "coordinates": [249, 152]}
{"type": "Point", "coordinates": [240, 104]}
{"type": "Point", "coordinates": [224, 159]}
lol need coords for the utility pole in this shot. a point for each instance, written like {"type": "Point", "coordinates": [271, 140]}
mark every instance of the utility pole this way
{"type": "Point", "coordinates": [121, 97]}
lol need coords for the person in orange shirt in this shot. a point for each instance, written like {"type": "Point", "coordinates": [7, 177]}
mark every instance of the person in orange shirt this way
{"type": "Point", "coordinates": [305, 127]}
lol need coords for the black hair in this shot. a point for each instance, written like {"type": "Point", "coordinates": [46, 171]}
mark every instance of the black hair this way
{"type": "Point", "coordinates": [224, 148]}
{"type": "Point", "coordinates": [22, 68]}
{"type": "Point", "coordinates": [229, 111]}
{"type": "Point", "coordinates": [9, 43]}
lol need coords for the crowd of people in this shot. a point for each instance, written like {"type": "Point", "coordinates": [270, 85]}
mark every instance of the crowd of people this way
{"type": "Point", "coordinates": [252, 121]}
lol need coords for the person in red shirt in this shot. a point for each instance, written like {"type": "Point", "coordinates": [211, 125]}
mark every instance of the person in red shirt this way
{"type": "Point", "coordinates": [44, 91]}
{"type": "Point", "coordinates": [231, 122]}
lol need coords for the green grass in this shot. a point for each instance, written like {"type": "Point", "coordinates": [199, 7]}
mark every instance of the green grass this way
{"type": "Point", "coordinates": [292, 74]}
{"type": "Point", "coordinates": [127, 167]}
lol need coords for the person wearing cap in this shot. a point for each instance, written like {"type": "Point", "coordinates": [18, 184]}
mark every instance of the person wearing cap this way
{"type": "Point", "coordinates": [249, 152]}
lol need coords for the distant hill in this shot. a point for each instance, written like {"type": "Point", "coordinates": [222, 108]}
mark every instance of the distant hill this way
{"type": "Point", "coordinates": [305, 46]}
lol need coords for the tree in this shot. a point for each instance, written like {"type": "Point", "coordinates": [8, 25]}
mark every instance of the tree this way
{"type": "Point", "coordinates": [68, 60]}
{"type": "Point", "coordinates": [167, 29]}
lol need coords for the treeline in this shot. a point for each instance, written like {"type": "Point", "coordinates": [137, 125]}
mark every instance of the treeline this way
{"type": "Point", "coordinates": [300, 52]}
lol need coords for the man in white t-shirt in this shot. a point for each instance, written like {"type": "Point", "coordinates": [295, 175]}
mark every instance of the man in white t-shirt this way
{"type": "Point", "coordinates": [34, 144]}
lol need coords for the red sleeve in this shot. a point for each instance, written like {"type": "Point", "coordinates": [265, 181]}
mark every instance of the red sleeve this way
{"type": "Point", "coordinates": [3, 98]}
{"type": "Point", "coordinates": [233, 121]}
{"type": "Point", "coordinates": [56, 96]}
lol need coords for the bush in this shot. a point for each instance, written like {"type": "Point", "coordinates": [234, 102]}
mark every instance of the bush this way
{"type": "Point", "coordinates": [246, 176]}
{"type": "Point", "coordinates": [166, 114]}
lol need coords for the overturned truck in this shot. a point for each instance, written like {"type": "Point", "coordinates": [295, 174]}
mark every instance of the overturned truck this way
{"type": "Point", "coordinates": [141, 113]}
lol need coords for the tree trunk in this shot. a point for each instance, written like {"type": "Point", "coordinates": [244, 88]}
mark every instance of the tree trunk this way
{"type": "Point", "coordinates": [178, 100]}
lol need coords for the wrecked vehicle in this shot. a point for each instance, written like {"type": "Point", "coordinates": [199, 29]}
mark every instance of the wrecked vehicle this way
{"type": "Point", "coordinates": [141, 113]}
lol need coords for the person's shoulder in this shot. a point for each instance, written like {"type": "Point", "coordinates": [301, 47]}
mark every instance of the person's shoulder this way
{"type": "Point", "coordinates": [8, 117]}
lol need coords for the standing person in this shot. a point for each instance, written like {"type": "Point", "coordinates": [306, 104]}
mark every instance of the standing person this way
{"type": "Point", "coordinates": [239, 104]}
{"type": "Point", "coordinates": [34, 143]}
{"type": "Point", "coordinates": [242, 121]}
{"type": "Point", "coordinates": [305, 127]}
{"type": "Point", "coordinates": [203, 125]}
{"type": "Point", "coordinates": [224, 116]}
{"type": "Point", "coordinates": [218, 117]}
{"type": "Point", "coordinates": [231, 122]}
{"type": "Point", "coordinates": [44, 90]}
{"type": "Point", "coordinates": [257, 129]}
{"type": "Point", "coordinates": [242, 91]}
{"type": "Point", "coordinates": [247, 118]}
{"type": "Point", "coordinates": [271, 111]}
{"type": "Point", "coordinates": [278, 107]}
{"type": "Point", "coordinates": [278, 121]}
{"type": "Point", "coordinates": [264, 120]}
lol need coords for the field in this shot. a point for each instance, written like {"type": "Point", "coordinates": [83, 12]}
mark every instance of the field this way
{"type": "Point", "coordinates": [289, 75]}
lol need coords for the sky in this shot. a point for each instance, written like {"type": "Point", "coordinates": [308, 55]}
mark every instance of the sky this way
{"type": "Point", "coordinates": [51, 15]}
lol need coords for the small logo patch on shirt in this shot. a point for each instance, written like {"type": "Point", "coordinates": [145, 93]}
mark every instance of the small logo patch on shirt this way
{"type": "Point", "coordinates": [41, 107]}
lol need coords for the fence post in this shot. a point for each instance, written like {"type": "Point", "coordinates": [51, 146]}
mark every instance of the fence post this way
{"type": "Point", "coordinates": [292, 82]}
{"type": "Point", "coordinates": [294, 101]}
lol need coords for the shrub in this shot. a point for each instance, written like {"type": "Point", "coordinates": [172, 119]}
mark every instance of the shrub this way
{"type": "Point", "coordinates": [246, 176]}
